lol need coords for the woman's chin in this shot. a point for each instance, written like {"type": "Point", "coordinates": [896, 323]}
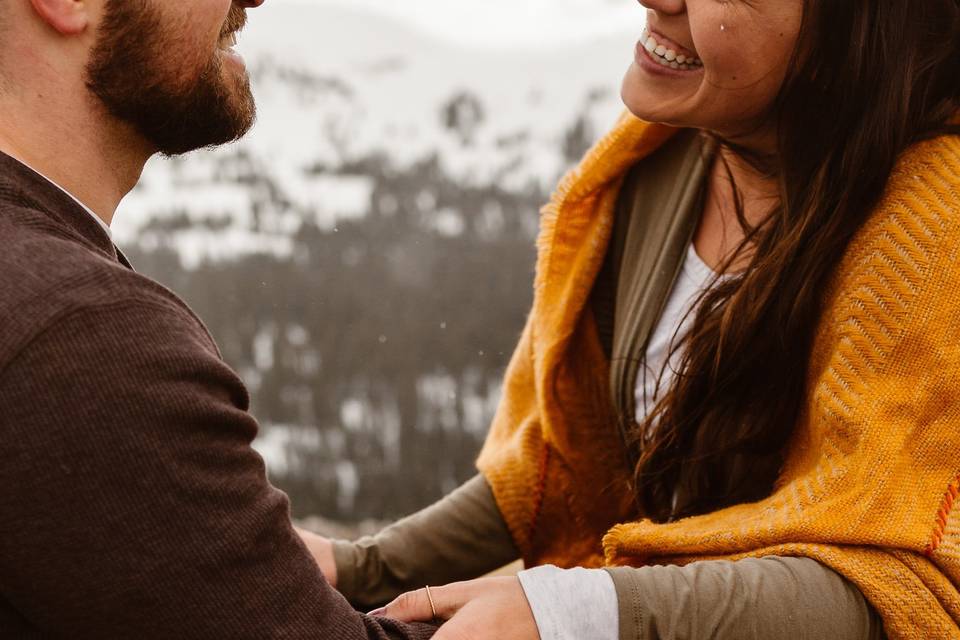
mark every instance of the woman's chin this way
{"type": "Point", "coordinates": [647, 112]}
{"type": "Point", "coordinates": [644, 103]}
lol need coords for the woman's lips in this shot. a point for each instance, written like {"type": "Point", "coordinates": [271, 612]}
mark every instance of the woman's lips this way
{"type": "Point", "coordinates": [671, 44]}
{"type": "Point", "coordinates": [656, 59]}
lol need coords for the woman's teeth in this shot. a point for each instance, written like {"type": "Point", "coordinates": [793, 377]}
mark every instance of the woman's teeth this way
{"type": "Point", "coordinates": [668, 57]}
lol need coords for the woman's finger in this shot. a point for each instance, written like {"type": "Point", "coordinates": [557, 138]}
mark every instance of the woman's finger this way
{"type": "Point", "coordinates": [500, 613]}
{"type": "Point", "coordinates": [414, 606]}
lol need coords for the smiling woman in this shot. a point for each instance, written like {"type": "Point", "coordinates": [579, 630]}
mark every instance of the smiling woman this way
{"type": "Point", "coordinates": [744, 52]}
{"type": "Point", "coordinates": [761, 261]}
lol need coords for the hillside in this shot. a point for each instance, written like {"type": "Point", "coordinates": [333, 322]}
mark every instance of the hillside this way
{"type": "Point", "coordinates": [335, 86]}
{"type": "Point", "coordinates": [364, 258]}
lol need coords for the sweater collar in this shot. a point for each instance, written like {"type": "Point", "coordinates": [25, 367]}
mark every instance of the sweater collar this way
{"type": "Point", "coordinates": [576, 224]}
{"type": "Point", "coordinates": [23, 186]}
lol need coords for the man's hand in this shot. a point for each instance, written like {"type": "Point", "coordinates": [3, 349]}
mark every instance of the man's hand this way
{"type": "Point", "coordinates": [484, 609]}
{"type": "Point", "coordinates": [322, 551]}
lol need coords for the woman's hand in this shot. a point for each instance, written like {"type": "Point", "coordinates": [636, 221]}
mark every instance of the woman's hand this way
{"type": "Point", "coordinates": [484, 609]}
{"type": "Point", "coordinates": [322, 551]}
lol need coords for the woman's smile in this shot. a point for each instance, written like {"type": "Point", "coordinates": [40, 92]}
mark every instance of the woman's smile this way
{"type": "Point", "coordinates": [655, 65]}
{"type": "Point", "coordinates": [713, 66]}
{"type": "Point", "coordinates": [668, 54]}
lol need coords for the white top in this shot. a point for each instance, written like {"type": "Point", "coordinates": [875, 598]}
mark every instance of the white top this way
{"type": "Point", "coordinates": [695, 276]}
{"type": "Point", "coordinates": [581, 604]}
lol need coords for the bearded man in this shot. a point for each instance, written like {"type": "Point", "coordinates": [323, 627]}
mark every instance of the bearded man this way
{"type": "Point", "coordinates": [134, 506]}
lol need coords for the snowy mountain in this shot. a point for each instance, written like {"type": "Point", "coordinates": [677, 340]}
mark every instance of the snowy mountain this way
{"type": "Point", "coordinates": [364, 257]}
{"type": "Point", "coordinates": [338, 85]}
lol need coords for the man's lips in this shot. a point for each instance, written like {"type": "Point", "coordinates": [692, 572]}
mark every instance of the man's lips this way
{"type": "Point", "coordinates": [226, 48]}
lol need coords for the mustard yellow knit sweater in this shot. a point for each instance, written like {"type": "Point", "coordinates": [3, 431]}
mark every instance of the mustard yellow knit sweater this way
{"type": "Point", "coordinates": [871, 481]}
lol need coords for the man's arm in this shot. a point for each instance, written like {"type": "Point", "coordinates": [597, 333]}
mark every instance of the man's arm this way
{"type": "Point", "coordinates": [135, 506]}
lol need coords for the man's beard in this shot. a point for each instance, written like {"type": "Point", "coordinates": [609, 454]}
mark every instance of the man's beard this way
{"type": "Point", "coordinates": [133, 70]}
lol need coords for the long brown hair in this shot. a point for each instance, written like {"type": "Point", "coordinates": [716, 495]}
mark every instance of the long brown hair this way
{"type": "Point", "coordinates": [869, 78]}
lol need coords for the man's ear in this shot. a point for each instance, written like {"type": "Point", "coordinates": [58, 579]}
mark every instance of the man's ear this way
{"type": "Point", "coordinates": [68, 17]}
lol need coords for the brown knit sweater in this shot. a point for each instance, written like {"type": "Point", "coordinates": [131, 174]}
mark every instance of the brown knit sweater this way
{"type": "Point", "coordinates": [133, 505]}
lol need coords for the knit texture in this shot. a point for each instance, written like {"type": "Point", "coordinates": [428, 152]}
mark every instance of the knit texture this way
{"type": "Point", "coordinates": [870, 486]}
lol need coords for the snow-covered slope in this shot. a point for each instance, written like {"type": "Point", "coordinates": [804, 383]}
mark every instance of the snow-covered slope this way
{"type": "Point", "coordinates": [335, 85]}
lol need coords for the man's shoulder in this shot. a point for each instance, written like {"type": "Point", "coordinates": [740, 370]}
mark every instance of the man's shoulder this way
{"type": "Point", "coordinates": [47, 275]}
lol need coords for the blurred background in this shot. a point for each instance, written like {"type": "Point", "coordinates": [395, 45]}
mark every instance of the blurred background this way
{"type": "Point", "coordinates": [365, 256]}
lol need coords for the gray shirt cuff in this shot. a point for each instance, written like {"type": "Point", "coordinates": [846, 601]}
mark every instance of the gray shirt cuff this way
{"type": "Point", "coordinates": [572, 604]}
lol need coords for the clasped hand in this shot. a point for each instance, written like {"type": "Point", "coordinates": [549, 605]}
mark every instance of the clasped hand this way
{"type": "Point", "coordinates": [484, 609]}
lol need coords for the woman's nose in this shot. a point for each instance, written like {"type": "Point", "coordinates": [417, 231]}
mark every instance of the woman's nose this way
{"type": "Point", "coordinates": [666, 7]}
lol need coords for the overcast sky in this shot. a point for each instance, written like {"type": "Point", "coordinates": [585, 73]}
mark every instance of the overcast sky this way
{"type": "Point", "coordinates": [499, 23]}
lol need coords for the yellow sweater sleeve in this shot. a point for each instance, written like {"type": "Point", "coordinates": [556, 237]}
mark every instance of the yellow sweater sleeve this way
{"type": "Point", "coordinates": [557, 503]}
